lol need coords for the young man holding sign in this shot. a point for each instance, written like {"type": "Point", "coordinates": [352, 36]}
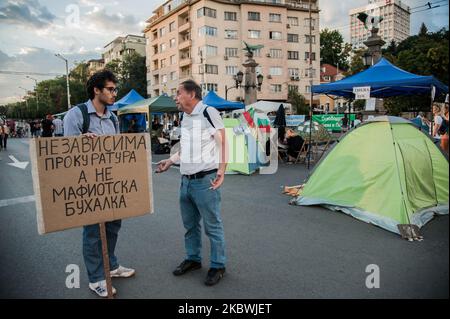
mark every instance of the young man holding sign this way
{"type": "Point", "coordinates": [93, 119]}
{"type": "Point", "coordinates": [202, 139]}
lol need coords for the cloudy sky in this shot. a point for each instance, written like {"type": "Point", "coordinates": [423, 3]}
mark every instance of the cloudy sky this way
{"type": "Point", "coordinates": [32, 31]}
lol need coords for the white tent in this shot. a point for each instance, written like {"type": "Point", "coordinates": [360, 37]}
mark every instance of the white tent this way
{"type": "Point", "coordinates": [268, 106]}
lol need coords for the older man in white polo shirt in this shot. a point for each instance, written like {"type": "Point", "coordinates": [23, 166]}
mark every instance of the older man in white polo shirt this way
{"type": "Point", "coordinates": [202, 164]}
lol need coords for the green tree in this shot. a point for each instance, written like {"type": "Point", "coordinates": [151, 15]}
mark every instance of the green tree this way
{"type": "Point", "coordinates": [333, 50]}
{"type": "Point", "coordinates": [423, 30]}
{"type": "Point", "coordinates": [356, 63]}
{"type": "Point", "coordinates": [298, 102]}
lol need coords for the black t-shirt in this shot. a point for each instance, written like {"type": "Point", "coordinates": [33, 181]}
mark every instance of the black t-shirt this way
{"type": "Point", "coordinates": [47, 127]}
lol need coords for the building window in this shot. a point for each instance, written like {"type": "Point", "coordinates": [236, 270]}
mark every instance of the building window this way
{"type": "Point", "coordinates": [313, 56]}
{"type": "Point", "coordinates": [254, 16]}
{"type": "Point", "coordinates": [307, 89]}
{"type": "Point", "coordinates": [275, 70]}
{"type": "Point", "coordinates": [275, 88]}
{"type": "Point", "coordinates": [292, 55]}
{"type": "Point", "coordinates": [254, 34]}
{"type": "Point", "coordinates": [308, 39]}
{"type": "Point", "coordinates": [208, 50]}
{"type": "Point", "coordinates": [257, 53]}
{"type": "Point", "coordinates": [231, 52]}
{"type": "Point", "coordinates": [310, 73]}
{"type": "Point", "coordinates": [207, 12]}
{"type": "Point", "coordinates": [313, 23]}
{"type": "Point", "coordinates": [274, 17]}
{"type": "Point", "coordinates": [231, 34]}
{"type": "Point", "coordinates": [173, 76]}
{"type": "Point", "coordinates": [171, 26]}
{"type": "Point", "coordinates": [276, 53]}
{"type": "Point", "coordinates": [172, 43]}
{"type": "Point", "coordinates": [292, 20]}
{"type": "Point", "coordinates": [163, 63]}
{"type": "Point", "coordinates": [164, 79]}
{"type": "Point", "coordinates": [162, 31]}
{"type": "Point", "coordinates": [173, 60]}
{"type": "Point", "coordinates": [258, 69]}
{"type": "Point", "coordinates": [292, 37]}
{"type": "Point", "coordinates": [231, 70]}
{"type": "Point", "coordinates": [207, 30]}
{"type": "Point", "coordinates": [292, 88]}
{"type": "Point", "coordinates": [293, 72]}
{"type": "Point", "coordinates": [211, 69]}
{"type": "Point", "coordinates": [210, 87]}
{"type": "Point", "coordinates": [275, 35]}
{"type": "Point", "coordinates": [162, 47]}
{"type": "Point", "coordinates": [230, 16]}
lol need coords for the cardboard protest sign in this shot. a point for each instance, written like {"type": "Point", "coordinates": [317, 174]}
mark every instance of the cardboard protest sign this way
{"type": "Point", "coordinates": [82, 181]}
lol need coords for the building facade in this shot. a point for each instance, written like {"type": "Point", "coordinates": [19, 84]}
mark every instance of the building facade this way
{"type": "Point", "coordinates": [328, 74]}
{"type": "Point", "coordinates": [394, 27]}
{"type": "Point", "coordinates": [95, 65]}
{"type": "Point", "coordinates": [116, 49]}
{"type": "Point", "coordinates": [203, 40]}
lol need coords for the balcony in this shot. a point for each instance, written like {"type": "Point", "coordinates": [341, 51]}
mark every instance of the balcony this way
{"type": "Point", "coordinates": [185, 27]}
{"type": "Point", "coordinates": [184, 45]}
{"type": "Point", "coordinates": [185, 61]}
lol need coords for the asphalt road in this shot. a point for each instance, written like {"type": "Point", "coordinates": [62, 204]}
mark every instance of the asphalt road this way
{"type": "Point", "coordinates": [275, 250]}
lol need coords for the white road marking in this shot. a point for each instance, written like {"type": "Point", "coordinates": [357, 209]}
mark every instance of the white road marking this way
{"type": "Point", "coordinates": [16, 163]}
{"type": "Point", "coordinates": [17, 200]}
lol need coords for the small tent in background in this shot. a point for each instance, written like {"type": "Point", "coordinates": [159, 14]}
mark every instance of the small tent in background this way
{"type": "Point", "coordinates": [244, 153]}
{"type": "Point", "coordinates": [385, 172]}
{"type": "Point", "coordinates": [130, 98]}
{"type": "Point", "coordinates": [212, 99]}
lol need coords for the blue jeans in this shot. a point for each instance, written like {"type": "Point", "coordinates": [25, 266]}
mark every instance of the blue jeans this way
{"type": "Point", "coordinates": [92, 249]}
{"type": "Point", "coordinates": [198, 201]}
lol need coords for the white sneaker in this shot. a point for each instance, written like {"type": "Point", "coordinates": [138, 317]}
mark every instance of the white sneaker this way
{"type": "Point", "coordinates": [99, 288]}
{"type": "Point", "coordinates": [122, 272]}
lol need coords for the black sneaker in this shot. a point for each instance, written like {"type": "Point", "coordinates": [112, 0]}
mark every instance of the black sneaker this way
{"type": "Point", "coordinates": [186, 266]}
{"type": "Point", "coordinates": [214, 275]}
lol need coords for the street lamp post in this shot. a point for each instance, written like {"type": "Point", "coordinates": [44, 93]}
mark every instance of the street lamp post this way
{"type": "Point", "coordinates": [237, 82]}
{"type": "Point", "coordinates": [67, 77]}
{"type": "Point", "coordinates": [37, 95]}
{"type": "Point", "coordinates": [26, 91]}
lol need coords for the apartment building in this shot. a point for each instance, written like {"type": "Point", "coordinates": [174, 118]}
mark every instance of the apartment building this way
{"type": "Point", "coordinates": [395, 25]}
{"type": "Point", "coordinates": [95, 65]}
{"type": "Point", "coordinates": [120, 46]}
{"type": "Point", "coordinates": [203, 40]}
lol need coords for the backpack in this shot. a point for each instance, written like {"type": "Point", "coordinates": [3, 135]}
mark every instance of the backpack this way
{"type": "Point", "coordinates": [443, 129]}
{"type": "Point", "coordinates": [87, 119]}
{"type": "Point", "coordinates": [205, 114]}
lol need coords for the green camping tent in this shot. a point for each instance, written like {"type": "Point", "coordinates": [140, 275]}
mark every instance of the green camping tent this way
{"type": "Point", "coordinates": [385, 172]}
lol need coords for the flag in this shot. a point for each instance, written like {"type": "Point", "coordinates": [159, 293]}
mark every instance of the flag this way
{"type": "Point", "coordinates": [248, 115]}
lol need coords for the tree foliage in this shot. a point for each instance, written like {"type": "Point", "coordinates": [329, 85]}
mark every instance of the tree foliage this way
{"type": "Point", "coordinates": [333, 50]}
{"type": "Point", "coordinates": [298, 102]}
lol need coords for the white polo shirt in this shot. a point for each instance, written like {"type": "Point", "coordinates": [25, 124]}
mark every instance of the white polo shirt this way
{"type": "Point", "coordinates": [199, 150]}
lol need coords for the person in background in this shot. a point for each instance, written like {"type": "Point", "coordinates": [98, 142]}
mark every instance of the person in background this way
{"type": "Point", "coordinates": [443, 131]}
{"type": "Point", "coordinates": [294, 143]}
{"type": "Point", "coordinates": [4, 132]}
{"type": "Point", "coordinates": [47, 126]}
{"type": "Point", "coordinates": [437, 119]}
{"type": "Point", "coordinates": [58, 125]}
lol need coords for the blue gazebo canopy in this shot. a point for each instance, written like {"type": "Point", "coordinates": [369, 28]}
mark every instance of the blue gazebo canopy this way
{"type": "Point", "coordinates": [130, 98]}
{"type": "Point", "coordinates": [385, 80]}
{"type": "Point", "coordinates": [216, 101]}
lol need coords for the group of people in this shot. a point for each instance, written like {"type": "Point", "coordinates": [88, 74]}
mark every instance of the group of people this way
{"type": "Point", "coordinates": [202, 177]}
{"type": "Point", "coordinates": [48, 127]}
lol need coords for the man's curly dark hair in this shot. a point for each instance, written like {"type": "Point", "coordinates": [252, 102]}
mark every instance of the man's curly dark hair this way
{"type": "Point", "coordinates": [98, 80]}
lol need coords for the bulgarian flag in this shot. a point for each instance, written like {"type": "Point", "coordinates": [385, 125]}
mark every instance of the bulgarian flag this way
{"type": "Point", "coordinates": [264, 125]}
{"type": "Point", "coordinates": [248, 115]}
